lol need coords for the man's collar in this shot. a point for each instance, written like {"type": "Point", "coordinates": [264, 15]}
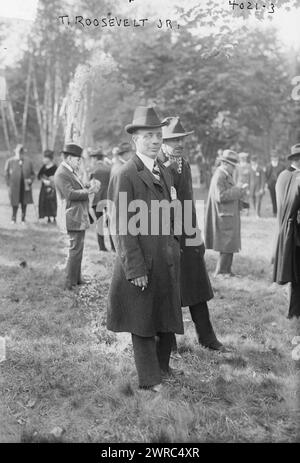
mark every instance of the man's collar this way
{"type": "Point", "coordinates": [222, 168]}
{"type": "Point", "coordinates": [146, 160]}
{"type": "Point", "coordinates": [294, 167]}
{"type": "Point", "coordinates": [65, 164]}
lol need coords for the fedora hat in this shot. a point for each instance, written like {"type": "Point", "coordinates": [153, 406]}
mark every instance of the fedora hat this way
{"type": "Point", "coordinates": [144, 117]}
{"type": "Point", "coordinates": [124, 148]}
{"type": "Point", "coordinates": [295, 151]}
{"type": "Point", "coordinates": [97, 153]}
{"type": "Point", "coordinates": [230, 157]}
{"type": "Point", "coordinates": [72, 150]}
{"type": "Point", "coordinates": [173, 128]}
{"type": "Point", "coordinates": [48, 154]}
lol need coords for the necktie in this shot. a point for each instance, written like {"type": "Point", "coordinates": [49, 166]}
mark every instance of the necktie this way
{"type": "Point", "coordinates": [156, 171]}
{"type": "Point", "coordinates": [178, 160]}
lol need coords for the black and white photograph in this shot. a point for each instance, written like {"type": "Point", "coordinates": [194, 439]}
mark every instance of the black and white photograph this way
{"type": "Point", "coordinates": [149, 225]}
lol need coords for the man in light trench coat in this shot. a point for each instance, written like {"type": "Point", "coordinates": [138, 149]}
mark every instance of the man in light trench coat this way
{"type": "Point", "coordinates": [144, 296]}
{"type": "Point", "coordinates": [223, 223]}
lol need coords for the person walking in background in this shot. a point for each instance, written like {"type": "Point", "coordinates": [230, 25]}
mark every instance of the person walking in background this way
{"type": "Point", "coordinates": [100, 170]}
{"type": "Point", "coordinates": [242, 175]}
{"type": "Point", "coordinates": [273, 170]}
{"type": "Point", "coordinates": [223, 223]}
{"type": "Point", "coordinates": [124, 153]}
{"type": "Point", "coordinates": [257, 185]}
{"type": "Point", "coordinates": [144, 295]}
{"type": "Point", "coordinates": [47, 197]}
{"type": "Point", "coordinates": [19, 176]}
{"type": "Point", "coordinates": [73, 197]}
{"type": "Point", "coordinates": [287, 253]}
{"type": "Point", "coordinates": [195, 286]}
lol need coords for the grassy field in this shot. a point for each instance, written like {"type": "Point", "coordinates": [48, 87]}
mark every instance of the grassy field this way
{"type": "Point", "coordinates": [63, 367]}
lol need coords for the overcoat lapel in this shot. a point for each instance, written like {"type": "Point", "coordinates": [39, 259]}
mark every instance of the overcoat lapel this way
{"type": "Point", "coordinates": [146, 176]}
{"type": "Point", "coordinates": [74, 177]}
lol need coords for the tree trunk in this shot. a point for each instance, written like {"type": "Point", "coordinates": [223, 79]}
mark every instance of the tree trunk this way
{"type": "Point", "coordinates": [5, 129]}
{"type": "Point", "coordinates": [26, 104]}
{"type": "Point", "coordinates": [38, 112]}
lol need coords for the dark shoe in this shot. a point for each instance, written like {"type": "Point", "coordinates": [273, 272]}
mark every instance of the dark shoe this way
{"type": "Point", "coordinates": [216, 345]}
{"type": "Point", "coordinates": [156, 388]}
{"type": "Point", "coordinates": [69, 287]}
{"type": "Point", "coordinates": [172, 373]}
{"type": "Point", "coordinates": [175, 355]}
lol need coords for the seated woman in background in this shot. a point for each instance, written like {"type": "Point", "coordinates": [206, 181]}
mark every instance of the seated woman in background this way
{"type": "Point", "coordinates": [47, 198]}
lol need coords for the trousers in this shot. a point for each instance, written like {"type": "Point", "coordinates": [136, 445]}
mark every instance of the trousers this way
{"type": "Point", "coordinates": [73, 270]}
{"type": "Point", "coordinates": [204, 330]}
{"type": "Point", "coordinates": [294, 307]}
{"type": "Point", "coordinates": [224, 263]}
{"type": "Point", "coordinates": [15, 210]}
{"type": "Point", "coordinates": [152, 356]}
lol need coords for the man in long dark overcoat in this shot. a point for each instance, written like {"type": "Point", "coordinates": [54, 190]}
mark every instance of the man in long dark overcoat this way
{"type": "Point", "coordinates": [287, 253]}
{"type": "Point", "coordinates": [144, 296]}
{"type": "Point", "coordinates": [223, 222]}
{"type": "Point", "coordinates": [195, 285]}
{"type": "Point", "coordinates": [19, 176]}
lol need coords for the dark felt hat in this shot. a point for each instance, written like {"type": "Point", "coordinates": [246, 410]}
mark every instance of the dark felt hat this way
{"type": "Point", "coordinates": [124, 148]}
{"type": "Point", "coordinates": [48, 154]}
{"type": "Point", "coordinates": [72, 150]}
{"type": "Point", "coordinates": [295, 151]}
{"type": "Point", "coordinates": [230, 157]}
{"type": "Point", "coordinates": [144, 118]}
{"type": "Point", "coordinates": [97, 153]}
{"type": "Point", "coordinates": [174, 128]}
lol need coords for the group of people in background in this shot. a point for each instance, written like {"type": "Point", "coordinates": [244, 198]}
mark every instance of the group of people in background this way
{"type": "Point", "coordinates": [155, 275]}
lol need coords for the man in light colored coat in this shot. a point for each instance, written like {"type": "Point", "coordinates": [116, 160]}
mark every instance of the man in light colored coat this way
{"type": "Point", "coordinates": [223, 223]}
{"type": "Point", "coordinates": [73, 197]}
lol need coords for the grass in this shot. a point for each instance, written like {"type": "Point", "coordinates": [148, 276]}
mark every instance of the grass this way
{"type": "Point", "coordinates": [65, 369]}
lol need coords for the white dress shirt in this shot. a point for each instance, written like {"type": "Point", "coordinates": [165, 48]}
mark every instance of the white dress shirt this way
{"type": "Point", "coordinates": [148, 162]}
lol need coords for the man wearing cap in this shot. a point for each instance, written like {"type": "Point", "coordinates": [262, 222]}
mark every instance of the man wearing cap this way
{"type": "Point", "coordinates": [223, 223]}
{"type": "Point", "coordinates": [124, 153]}
{"type": "Point", "coordinates": [144, 296]}
{"type": "Point", "coordinates": [75, 197]}
{"type": "Point", "coordinates": [257, 184]}
{"type": "Point", "coordinates": [273, 171]}
{"type": "Point", "coordinates": [19, 176]}
{"type": "Point", "coordinates": [287, 253]}
{"type": "Point", "coordinates": [100, 170]}
{"type": "Point", "coordinates": [196, 289]}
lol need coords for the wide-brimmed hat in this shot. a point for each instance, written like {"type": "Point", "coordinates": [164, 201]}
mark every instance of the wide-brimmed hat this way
{"type": "Point", "coordinates": [97, 153]}
{"type": "Point", "coordinates": [144, 117]}
{"type": "Point", "coordinates": [295, 151]}
{"type": "Point", "coordinates": [48, 154]}
{"type": "Point", "coordinates": [173, 128]}
{"type": "Point", "coordinates": [230, 157]}
{"type": "Point", "coordinates": [72, 150]}
{"type": "Point", "coordinates": [124, 148]}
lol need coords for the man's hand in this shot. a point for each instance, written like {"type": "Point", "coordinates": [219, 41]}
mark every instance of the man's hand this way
{"type": "Point", "coordinates": [142, 282]}
{"type": "Point", "coordinates": [94, 187]}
